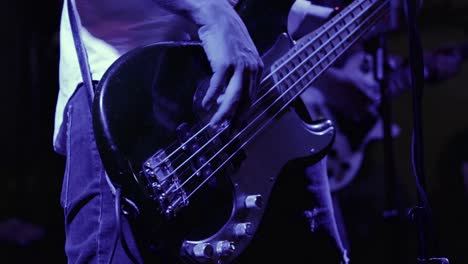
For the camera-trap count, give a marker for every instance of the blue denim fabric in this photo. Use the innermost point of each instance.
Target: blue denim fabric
(301, 232)
(86, 197)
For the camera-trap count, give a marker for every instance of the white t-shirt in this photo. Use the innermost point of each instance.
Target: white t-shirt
(110, 28)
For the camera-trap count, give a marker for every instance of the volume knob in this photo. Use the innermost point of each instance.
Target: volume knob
(243, 229)
(253, 201)
(225, 247)
(203, 250)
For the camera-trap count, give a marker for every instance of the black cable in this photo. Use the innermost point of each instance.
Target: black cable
(117, 221)
(421, 215)
(119, 235)
(416, 62)
(122, 236)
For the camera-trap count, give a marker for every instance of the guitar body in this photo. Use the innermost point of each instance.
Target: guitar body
(146, 106)
(202, 192)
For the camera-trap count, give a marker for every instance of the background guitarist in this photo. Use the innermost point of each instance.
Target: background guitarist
(351, 97)
(356, 100)
(109, 29)
(349, 94)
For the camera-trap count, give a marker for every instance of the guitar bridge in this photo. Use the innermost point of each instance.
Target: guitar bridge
(164, 185)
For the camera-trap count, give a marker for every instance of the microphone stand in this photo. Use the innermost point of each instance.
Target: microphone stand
(392, 205)
(420, 214)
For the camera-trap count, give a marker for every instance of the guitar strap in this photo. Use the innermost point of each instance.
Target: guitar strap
(89, 84)
(83, 60)
(129, 207)
(80, 51)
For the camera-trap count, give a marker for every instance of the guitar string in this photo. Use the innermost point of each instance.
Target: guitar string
(281, 81)
(182, 173)
(326, 27)
(230, 157)
(286, 105)
(216, 154)
(240, 147)
(186, 160)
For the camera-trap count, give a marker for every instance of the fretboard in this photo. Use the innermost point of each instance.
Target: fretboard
(300, 66)
(314, 53)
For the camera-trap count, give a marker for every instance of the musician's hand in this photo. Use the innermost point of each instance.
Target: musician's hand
(304, 17)
(236, 64)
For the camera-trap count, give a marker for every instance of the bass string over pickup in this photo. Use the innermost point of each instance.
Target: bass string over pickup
(163, 184)
(204, 147)
(172, 177)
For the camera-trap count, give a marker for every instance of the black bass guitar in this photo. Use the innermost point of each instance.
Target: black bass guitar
(206, 190)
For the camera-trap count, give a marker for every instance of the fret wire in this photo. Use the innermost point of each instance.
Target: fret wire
(337, 37)
(318, 68)
(244, 133)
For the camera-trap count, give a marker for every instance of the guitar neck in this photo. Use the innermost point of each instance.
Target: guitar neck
(317, 51)
(307, 60)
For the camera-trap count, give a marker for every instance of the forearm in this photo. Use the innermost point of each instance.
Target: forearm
(201, 12)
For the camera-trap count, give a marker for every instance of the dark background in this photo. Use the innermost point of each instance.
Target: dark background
(31, 226)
